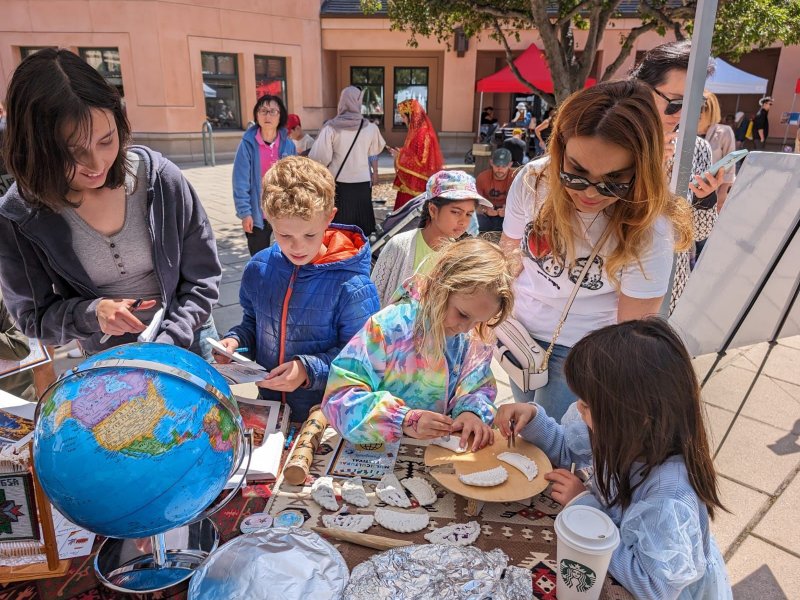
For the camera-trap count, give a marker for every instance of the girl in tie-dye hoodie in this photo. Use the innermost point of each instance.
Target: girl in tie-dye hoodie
(421, 367)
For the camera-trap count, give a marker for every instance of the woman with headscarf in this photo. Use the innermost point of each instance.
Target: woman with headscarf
(419, 158)
(344, 145)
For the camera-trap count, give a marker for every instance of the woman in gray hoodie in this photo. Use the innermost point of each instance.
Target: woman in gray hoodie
(97, 237)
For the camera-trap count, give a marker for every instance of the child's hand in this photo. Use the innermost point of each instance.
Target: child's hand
(566, 486)
(470, 424)
(521, 412)
(426, 424)
(286, 377)
(230, 345)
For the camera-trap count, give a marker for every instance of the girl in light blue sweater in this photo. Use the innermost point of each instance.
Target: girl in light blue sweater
(653, 473)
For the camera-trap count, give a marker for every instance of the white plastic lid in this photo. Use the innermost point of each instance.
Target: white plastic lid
(587, 529)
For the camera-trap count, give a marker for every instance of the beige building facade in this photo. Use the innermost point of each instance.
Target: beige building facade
(180, 63)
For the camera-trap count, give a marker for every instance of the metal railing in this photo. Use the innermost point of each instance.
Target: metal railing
(208, 144)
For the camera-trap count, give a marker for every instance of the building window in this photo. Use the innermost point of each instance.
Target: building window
(271, 76)
(370, 79)
(26, 51)
(410, 82)
(106, 61)
(221, 89)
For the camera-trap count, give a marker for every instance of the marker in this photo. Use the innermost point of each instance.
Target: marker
(572, 469)
(290, 437)
(136, 304)
(242, 350)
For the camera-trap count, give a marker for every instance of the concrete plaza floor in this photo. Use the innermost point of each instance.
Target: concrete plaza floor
(758, 464)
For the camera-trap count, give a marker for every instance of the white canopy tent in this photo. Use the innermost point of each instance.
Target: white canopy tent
(727, 79)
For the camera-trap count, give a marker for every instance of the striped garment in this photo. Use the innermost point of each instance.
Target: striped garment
(379, 376)
(666, 549)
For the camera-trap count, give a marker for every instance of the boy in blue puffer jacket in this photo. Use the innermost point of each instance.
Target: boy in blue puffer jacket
(305, 296)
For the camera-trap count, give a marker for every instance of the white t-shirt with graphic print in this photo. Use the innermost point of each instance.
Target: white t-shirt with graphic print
(543, 287)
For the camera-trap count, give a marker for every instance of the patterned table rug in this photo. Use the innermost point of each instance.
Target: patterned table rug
(524, 531)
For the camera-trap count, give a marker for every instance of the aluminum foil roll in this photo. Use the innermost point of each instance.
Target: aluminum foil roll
(439, 571)
(279, 563)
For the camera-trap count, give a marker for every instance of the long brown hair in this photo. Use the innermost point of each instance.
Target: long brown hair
(49, 90)
(621, 113)
(644, 399)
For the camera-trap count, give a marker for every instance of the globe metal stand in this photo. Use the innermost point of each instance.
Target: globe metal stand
(152, 564)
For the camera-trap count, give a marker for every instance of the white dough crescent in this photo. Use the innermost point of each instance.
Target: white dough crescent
(488, 478)
(391, 492)
(520, 462)
(458, 534)
(323, 494)
(451, 443)
(421, 490)
(353, 492)
(402, 522)
(357, 523)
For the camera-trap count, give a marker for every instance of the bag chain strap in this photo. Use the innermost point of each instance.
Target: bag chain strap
(589, 262)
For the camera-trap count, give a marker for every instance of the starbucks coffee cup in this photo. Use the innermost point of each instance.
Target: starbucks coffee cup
(587, 538)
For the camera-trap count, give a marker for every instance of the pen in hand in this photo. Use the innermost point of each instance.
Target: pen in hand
(136, 304)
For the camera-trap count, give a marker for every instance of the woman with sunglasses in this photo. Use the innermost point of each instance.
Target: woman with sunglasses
(602, 178)
(262, 145)
(664, 70)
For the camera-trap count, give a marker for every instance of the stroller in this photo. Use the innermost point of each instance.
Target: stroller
(403, 219)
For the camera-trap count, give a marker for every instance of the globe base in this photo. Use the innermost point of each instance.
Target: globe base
(133, 566)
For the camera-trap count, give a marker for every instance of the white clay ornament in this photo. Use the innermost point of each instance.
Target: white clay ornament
(391, 492)
(457, 534)
(421, 490)
(488, 478)
(520, 462)
(323, 494)
(357, 523)
(353, 492)
(401, 521)
(451, 443)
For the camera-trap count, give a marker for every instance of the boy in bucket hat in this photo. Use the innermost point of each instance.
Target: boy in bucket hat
(451, 203)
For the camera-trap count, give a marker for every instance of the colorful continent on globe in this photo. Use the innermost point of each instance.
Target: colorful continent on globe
(220, 428)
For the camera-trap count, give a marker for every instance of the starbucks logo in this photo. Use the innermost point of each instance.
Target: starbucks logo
(576, 575)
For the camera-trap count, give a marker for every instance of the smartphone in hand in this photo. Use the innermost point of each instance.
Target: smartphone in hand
(726, 162)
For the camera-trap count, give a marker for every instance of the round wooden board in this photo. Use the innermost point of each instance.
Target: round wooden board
(515, 488)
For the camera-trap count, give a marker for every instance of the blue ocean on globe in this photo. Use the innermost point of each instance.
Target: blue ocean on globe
(128, 451)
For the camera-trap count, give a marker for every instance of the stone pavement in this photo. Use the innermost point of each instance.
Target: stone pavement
(758, 464)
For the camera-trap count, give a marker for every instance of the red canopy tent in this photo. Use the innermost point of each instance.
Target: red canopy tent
(533, 67)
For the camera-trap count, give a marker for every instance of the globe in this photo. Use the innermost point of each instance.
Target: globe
(137, 440)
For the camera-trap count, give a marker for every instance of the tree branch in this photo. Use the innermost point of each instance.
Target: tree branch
(499, 14)
(575, 11)
(549, 98)
(626, 48)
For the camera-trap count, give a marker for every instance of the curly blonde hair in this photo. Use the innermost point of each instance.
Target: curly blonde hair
(621, 113)
(297, 186)
(468, 266)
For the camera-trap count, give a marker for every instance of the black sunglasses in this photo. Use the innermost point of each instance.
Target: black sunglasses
(610, 190)
(673, 105)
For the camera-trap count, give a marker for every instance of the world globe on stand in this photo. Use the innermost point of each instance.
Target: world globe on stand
(137, 440)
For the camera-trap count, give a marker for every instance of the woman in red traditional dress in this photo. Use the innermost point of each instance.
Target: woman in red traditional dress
(419, 158)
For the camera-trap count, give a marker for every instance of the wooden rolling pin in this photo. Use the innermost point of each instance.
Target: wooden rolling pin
(362, 539)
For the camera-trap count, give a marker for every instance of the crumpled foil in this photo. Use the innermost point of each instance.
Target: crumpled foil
(439, 571)
(279, 563)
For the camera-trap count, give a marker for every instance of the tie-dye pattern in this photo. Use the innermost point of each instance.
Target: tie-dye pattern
(379, 376)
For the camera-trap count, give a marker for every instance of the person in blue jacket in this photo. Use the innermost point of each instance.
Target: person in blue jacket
(309, 293)
(97, 235)
(262, 145)
(639, 425)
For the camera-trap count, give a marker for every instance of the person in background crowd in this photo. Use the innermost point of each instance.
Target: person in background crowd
(493, 184)
(603, 176)
(419, 158)
(302, 141)
(344, 145)
(308, 294)
(722, 141)
(517, 147)
(543, 130)
(663, 69)
(93, 226)
(522, 117)
(262, 145)
(487, 116)
(761, 123)
(740, 125)
(452, 200)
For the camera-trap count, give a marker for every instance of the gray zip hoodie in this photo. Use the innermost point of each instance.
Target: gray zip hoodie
(51, 297)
